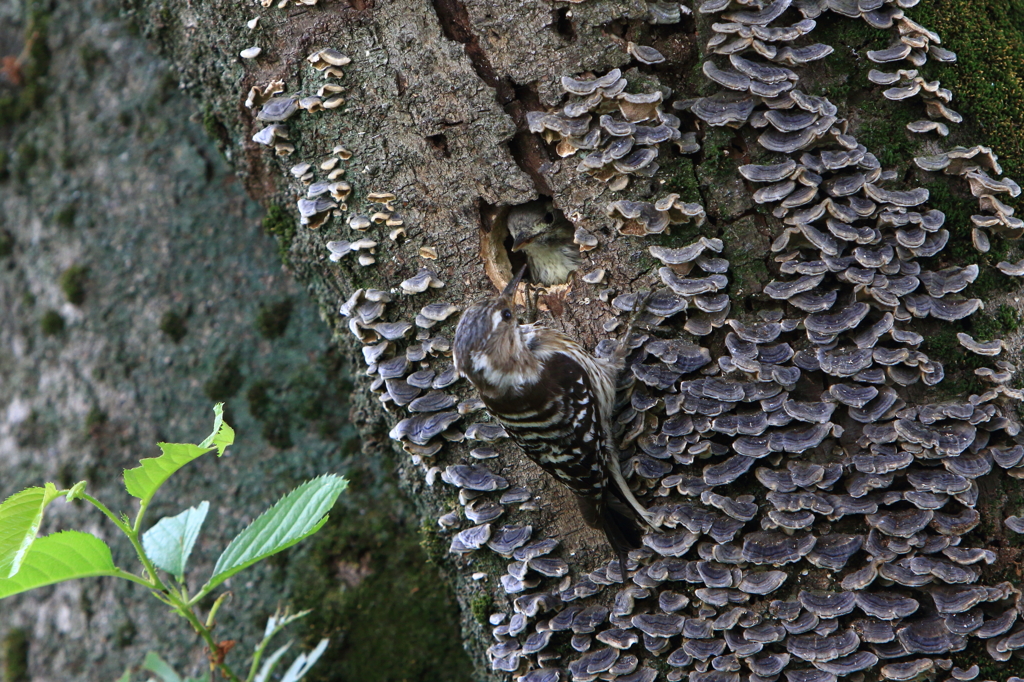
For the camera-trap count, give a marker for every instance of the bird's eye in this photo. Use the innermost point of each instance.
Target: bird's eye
(506, 314)
(549, 217)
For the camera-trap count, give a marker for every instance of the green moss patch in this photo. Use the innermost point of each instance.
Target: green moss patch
(95, 418)
(72, 283)
(987, 79)
(958, 205)
(51, 323)
(941, 344)
(482, 605)
(172, 323)
(25, 157)
(269, 405)
(281, 224)
(225, 382)
(314, 396)
(15, 656)
(387, 610)
(430, 542)
(679, 175)
(65, 217)
(272, 318)
(716, 152)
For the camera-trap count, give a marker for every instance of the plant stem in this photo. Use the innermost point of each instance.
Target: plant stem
(154, 582)
(188, 614)
(133, 537)
(106, 512)
(143, 506)
(121, 573)
(160, 591)
(211, 618)
(258, 654)
(199, 596)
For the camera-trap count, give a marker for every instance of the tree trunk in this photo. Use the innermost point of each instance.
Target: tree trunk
(435, 112)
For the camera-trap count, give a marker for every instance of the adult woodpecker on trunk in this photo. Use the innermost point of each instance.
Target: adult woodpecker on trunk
(555, 401)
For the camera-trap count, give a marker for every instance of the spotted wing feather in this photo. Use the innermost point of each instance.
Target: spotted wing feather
(556, 421)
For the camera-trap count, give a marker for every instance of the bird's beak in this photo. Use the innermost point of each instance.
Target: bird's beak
(521, 241)
(510, 289)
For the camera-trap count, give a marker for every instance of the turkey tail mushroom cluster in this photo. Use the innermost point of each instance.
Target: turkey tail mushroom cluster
(620, 131)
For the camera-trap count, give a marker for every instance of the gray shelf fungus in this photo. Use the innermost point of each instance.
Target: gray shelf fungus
(641, 218)
(271, 106)
(617, 133)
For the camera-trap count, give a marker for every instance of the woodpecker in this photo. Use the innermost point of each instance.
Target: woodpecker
(545, 236)
(555, 400)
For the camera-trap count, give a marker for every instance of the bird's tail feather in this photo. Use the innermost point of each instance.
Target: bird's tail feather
(617, 520)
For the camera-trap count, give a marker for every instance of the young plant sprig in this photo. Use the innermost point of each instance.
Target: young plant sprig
(28, 561)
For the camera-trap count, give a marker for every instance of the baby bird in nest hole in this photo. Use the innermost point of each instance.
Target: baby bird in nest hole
(545, 237)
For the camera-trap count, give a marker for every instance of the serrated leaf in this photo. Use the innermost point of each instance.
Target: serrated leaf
(59, 557)
(168, 544)
(20, 516)
(295, 517)
(159, 667)
(143, 481)
(222, 435)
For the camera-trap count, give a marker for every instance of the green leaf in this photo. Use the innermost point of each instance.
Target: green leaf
(143, 481)
(159, 667)
(169, 542)
(126, 676)
(295, 517)
(76, 492)
(223, 435)
(59, 557)
(20, 516)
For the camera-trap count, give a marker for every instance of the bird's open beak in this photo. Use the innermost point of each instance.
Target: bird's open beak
(510, 289)
(521, 241)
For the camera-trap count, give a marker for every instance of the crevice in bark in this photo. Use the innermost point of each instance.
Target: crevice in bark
(456, 26)
(439, 144)
(616, 28)
(561, 21)
(527, 151)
